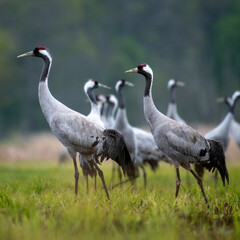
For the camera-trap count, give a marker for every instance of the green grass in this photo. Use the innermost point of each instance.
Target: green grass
(37, 201)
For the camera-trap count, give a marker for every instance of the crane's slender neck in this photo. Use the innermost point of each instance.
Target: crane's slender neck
(232, 107)
(91, 96)
(110, 110)
(121, 98)
(102, 108)
(172, 95)
(93, 101)
(150, 111)
(47, 102)
(46, 68)
(148, 86)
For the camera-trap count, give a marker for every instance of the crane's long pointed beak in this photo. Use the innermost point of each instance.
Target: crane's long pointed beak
(26, 54)
(180, 84)
(129, 84)
(133, 70)
(103, 86)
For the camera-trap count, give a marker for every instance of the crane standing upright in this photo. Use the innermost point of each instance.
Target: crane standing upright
(235, 131)
(178, 141)
(221, 133)
(75, 131)
(88, 167)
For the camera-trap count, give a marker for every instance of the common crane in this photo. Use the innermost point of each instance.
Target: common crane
(75, 131)
(87, 166)
(178, 141)
(221, 133)
(235, 131)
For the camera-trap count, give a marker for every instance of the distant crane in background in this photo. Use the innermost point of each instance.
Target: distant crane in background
(75, 131)
(101, 101)
(112, 101)
(178, 141)
(235, 131)
(121, 123)
(87, 166)
(172, 106)
(221, 133)
(146, 150)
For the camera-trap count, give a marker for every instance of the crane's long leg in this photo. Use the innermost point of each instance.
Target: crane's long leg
(127, 180)
(113, 172)
(100, 173)
(216, 177)
(178, 181)
(73, 154)
(119, 173)
(95, 182)
(200, 184)
(144, 176)
(87, 181)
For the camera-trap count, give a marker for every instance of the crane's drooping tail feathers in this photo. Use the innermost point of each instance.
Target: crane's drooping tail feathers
(153, 164)
(115, 148)
(88, 169)
(217, 160)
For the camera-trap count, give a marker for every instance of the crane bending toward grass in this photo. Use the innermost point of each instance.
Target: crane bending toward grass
(75, 131)
(178, 141)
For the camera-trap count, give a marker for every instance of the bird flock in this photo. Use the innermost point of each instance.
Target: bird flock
(105, 133)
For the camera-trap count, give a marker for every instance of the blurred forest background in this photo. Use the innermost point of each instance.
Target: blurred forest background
(197, 42)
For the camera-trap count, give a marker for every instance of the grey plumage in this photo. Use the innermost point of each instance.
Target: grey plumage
(74, 130)
(221, 133)
(235, 131)
(148, 150)
(121, 122)
(88, 167)
(112, 102)
(178, 141)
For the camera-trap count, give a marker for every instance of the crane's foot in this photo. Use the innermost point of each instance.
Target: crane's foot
(125, 181)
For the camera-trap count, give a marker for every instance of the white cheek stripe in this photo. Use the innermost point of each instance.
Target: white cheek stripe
(88, 84)
(148, 69)
(117, 85)
(46, 53)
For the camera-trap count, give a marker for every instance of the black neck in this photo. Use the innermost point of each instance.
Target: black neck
(46, 69)
(91, 96)
(231, 108)
(148, 78)
(110, 109)
(172, 95)
(102, 109)
(234, 103)
(121, 98)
